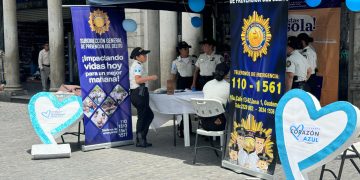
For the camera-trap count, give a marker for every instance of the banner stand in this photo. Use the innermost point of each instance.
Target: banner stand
(238, 169)
(106, 145)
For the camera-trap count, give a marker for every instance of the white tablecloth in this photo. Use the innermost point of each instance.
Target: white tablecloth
(165, 106)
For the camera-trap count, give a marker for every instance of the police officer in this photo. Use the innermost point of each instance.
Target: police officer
(140, 95)
(206, 63)
(297, 68)
(309, 53)
(183, 67)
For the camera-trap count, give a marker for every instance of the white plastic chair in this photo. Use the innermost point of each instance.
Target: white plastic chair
(208, 108)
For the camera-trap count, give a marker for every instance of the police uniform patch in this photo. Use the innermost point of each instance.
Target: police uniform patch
(288, 63)
(137, 70)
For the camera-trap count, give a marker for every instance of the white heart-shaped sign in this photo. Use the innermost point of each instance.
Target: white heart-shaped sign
(50, 117)
(309, 136)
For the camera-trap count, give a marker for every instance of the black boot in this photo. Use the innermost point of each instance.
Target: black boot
(140, 140)
(147, 143)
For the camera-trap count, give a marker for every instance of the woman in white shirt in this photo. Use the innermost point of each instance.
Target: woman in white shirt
(218, 89)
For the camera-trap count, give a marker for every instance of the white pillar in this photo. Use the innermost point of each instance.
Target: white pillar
(56, 44)
(190, 34)
(11, 63)
(152, 42)
(168, 42)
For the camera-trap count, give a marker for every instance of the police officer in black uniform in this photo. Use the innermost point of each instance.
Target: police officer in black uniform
(297, 67)
(206, 63)
(183, 67)
(140, 95)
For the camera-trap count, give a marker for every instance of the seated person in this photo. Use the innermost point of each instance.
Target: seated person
(217, 89)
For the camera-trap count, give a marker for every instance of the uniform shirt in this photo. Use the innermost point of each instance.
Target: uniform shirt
(252, 160)
(219, 90)
(185, 66)
(136, 69)
(242, 157)
(43, 58)
(207, 63)
(311, 56)
(297, 64)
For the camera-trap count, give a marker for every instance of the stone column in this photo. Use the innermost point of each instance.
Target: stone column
(11, 59)
(56, 44)
(152, 42)
(1, 27)
(168, 42)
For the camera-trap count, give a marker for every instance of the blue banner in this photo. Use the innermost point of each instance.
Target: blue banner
(258, 53)
(301, 4)
(102, 56)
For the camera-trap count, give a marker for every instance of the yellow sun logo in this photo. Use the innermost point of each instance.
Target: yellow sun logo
(256, 36)
(99, 21)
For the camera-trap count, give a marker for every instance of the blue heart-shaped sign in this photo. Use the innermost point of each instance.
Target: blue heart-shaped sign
(325, 132)
(50, 117)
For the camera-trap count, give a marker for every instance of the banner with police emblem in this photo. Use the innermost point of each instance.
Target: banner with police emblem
(259, 40)
(102, 56)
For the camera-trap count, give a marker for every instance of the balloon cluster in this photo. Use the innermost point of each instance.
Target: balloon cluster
(353, 5)
(196, 6)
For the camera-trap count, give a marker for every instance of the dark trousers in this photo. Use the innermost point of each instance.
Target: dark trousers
(184, 82)
(301, 85)
(202, 81)
(209, 124)
(145, 114)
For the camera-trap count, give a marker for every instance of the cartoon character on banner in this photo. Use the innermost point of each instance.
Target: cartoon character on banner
(308, 135)
(250, 145)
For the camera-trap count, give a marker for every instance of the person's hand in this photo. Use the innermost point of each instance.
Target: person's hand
(41, 68)
(153, 77)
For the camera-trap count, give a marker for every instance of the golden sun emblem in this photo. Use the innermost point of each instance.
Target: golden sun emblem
(256, 36)
(99, 21)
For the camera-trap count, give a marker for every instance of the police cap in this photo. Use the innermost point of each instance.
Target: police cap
(138, 51)
(182, 45)
(208, 41)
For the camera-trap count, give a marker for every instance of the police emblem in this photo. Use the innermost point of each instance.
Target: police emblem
(256, 36)
(99, 21)
(288, 63)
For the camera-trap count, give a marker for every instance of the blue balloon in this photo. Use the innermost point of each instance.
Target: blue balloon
(129, 25)
(196, 22)
(197, 5)
(313, 3)
(353, 5)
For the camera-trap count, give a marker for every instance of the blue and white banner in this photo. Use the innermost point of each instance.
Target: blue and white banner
(101, 48)
(258, 53)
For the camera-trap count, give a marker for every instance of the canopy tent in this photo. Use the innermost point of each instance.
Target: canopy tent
(171, 5)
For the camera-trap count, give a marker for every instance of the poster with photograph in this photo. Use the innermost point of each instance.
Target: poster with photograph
(322, 24)
(101, 48)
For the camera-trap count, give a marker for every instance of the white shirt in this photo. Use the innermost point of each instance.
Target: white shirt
(136, 69)
(43, 58)
(185, 66)
(207, 63)
(242, 157)
(252, 160)
(219, 90)
(297, 64)
(311, 56)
